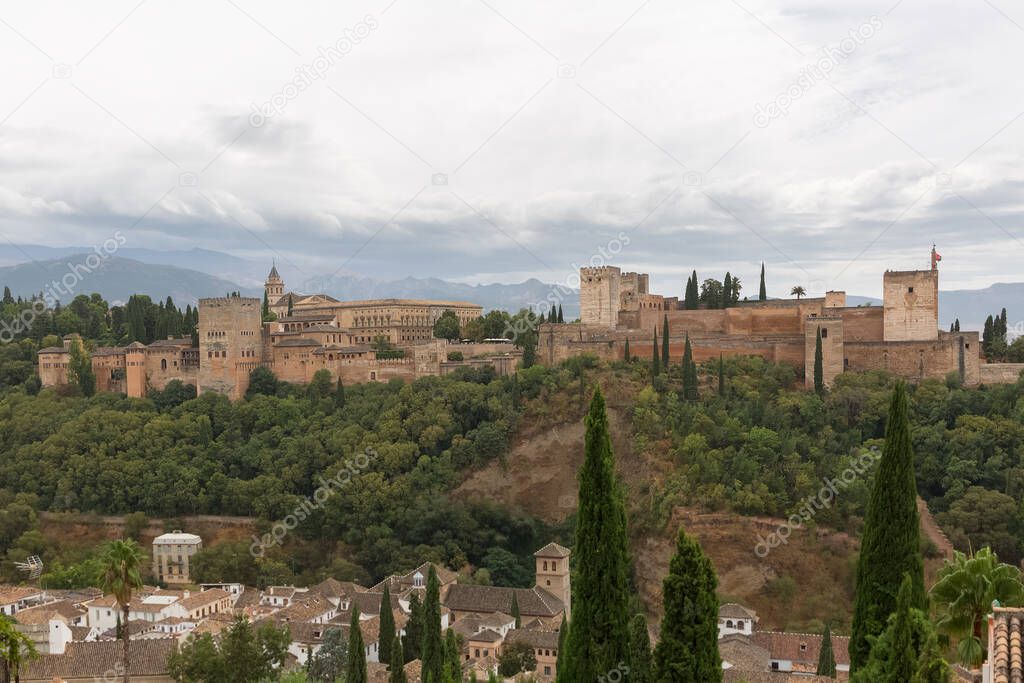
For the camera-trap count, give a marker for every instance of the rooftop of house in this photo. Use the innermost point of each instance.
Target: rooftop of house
(85, 660)
(553, 550)
(547, 640)
(731, 610)
(1007, 634)
(534, 602)
(42, 614)
(801, 647)
(177, 538)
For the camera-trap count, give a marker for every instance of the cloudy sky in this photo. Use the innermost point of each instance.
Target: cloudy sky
(494, 140)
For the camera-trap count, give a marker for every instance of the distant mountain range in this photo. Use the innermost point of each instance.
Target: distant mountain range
(188, 275)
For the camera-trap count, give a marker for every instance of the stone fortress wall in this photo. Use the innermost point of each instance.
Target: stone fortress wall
(901, 336)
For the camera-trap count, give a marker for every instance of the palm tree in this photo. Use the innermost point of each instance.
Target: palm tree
(798, 292)
(15, 650)
(121, 562)
(963, 596)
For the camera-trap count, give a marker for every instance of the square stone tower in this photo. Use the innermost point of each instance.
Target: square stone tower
(911, 305)
(599, 295)
(553, 573)
(230, 343)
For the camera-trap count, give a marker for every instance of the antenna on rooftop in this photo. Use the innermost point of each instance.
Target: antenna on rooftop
(32, 567)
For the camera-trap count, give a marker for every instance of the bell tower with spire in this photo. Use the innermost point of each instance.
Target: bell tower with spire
(274, 286)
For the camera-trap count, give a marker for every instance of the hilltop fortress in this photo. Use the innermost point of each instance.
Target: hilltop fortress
(901, 337)
(312, 332)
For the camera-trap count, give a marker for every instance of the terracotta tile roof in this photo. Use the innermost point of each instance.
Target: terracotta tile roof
(369, 602)
(473, 623)
(543, 639)
(43, 613)
(96, 660)
(1006, 639)
(533, 602)
(486, 636)
(250, 597)
(305, 607)
(9, 594)
(202, 598)
(553, 550)
(444, 577)
(731, 610)
(801, 647)
(332, 588)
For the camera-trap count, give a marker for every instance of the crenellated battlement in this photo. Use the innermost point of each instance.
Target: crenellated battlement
(221, 301)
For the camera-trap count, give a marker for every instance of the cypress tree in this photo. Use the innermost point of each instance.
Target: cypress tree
(625, 352)
(561, 318)
(433, 653)
(692, 293)
(956, 324)
(452, 658)
(664, 343)
(640, 658)
(266, 306)
(356, 650)
(826, 658)
(80, 370)
(655, 359)
(721, 375)
(289, 305)
(560, 656)
(387, 626)
(726, 291)
(819, 367)
(412, 643)
(8, 298)
(515, 609)
(890, 544)
(529, 350)
(762, 295)
(598, 640)
(397, 665)
(987, 335)
(689, 372)
(339, 395)
(688, 650)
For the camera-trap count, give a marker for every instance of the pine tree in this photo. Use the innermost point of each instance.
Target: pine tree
(763, 293)
(641, 660)
(688, 650)
(655, 359)
(625, 352)
(826, 658)
(412, 643)
(387, 626)
(433, 654)
(890, 543)
(515, 610)
(664, 343)
(819, 366)
(397, 663)
(721, 375)
(356, 650)
(561, 318)
(598, 639)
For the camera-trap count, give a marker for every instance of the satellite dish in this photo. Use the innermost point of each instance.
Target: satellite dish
(32, 567)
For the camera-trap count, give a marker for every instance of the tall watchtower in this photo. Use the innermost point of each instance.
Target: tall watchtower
(230, 343)
(553, 573)
(274, 286)
(599, 295)
(911, 305)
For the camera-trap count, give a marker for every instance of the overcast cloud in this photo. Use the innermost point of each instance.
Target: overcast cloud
(555, 126)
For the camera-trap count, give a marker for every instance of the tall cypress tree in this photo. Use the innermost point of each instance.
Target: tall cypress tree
(266, 306)
(412, 643)
(290, 302)
(515, 610)
(452, 658)
(987, 335)
(692, 293)
(762, 295)
(356, 650)
(819, 366)
(689, 372)
(625, 352)
(561, 318)
(641, 661)
(397, 665)
(598, 638)
(655, 359)
(433, 652)
(726, 291)
(387, 625)
(891, 543)
(688, 650)
(826, 657)
(664, 343)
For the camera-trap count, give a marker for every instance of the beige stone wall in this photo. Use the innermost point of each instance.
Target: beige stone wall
(916, 360)
(911, 303)
(1000, 373)
(230, 334)
(53, 368)
(599, 295)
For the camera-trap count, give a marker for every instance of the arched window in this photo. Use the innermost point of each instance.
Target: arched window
(163, 363)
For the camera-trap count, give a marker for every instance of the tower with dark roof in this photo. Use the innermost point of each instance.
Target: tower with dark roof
(274, 286)
(553, 573)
